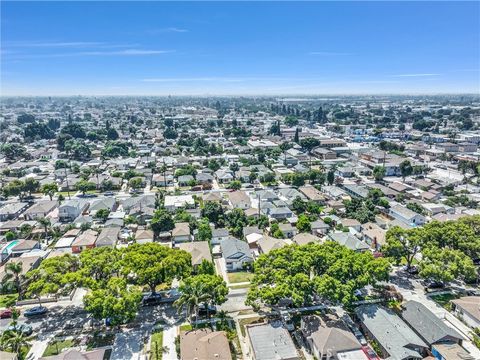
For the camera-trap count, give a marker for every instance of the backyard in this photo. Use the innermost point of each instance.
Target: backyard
(444, 300)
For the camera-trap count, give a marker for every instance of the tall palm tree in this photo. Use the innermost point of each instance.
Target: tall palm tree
(192, 296)
(14, 340)
(46, 223)
(14, 273)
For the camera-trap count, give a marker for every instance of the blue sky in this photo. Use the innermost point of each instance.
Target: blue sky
(201, 48)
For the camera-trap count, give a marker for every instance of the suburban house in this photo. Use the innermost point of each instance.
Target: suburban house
(267, 243)
(236, 253)
(271, 341)
(71, 209)
(394, 337)
(174, 202)
(85, 240)
(40, 209)
(162, 181)
(330, 342)
(108, 236)
(70, 354)
(24, 246)
(218, 235)
(181, 232)
(319, 227)
(349, 240)
(204, 344)
(143, 236)
(200, 250)
(239, 200)
(312, 194)
(12, 210)
(467, 308)
(429, 327)
(406, 215)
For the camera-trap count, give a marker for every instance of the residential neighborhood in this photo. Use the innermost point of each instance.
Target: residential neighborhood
(195, 229)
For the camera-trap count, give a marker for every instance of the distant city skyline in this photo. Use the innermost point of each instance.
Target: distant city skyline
(241, 48)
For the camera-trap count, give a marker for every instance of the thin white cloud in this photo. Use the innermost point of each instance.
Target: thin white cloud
(126, 52)
(167, 30)
(195, 79)
(329, 53)
(415, 75)
(55, 44)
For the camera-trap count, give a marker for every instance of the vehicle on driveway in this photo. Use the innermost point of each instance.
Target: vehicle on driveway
(152, 300)
(22, 328)
(434, 284)
(6, 314)
(35, 311)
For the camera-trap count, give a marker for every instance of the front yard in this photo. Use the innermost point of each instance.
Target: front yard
(156, 346)
(240, 277)
(56, 346)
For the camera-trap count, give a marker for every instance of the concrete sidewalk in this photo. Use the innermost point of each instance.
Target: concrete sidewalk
(169, 335)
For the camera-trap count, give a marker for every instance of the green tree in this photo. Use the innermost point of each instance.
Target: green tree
(161, 221)
(31, 185)
(49, 190)
(203, 289)
(135, 183)
(46, 223)
(402, 244)
(303, 224)
(206, 267)
(84, 186)
(330, 177)
(213, 211)
(117, 303)
(379, 172)
(153, 264)
(446, 265)
(102, 214)
(14, 341)
(309, 143)
(299, 273)
(235, 185)
(204, 231)
(406, 169)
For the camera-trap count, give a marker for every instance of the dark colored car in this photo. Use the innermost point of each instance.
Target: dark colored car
(152, 300)
(5, 314)
(35, 311)
(202, 310)
(434, 284)
(24, 329)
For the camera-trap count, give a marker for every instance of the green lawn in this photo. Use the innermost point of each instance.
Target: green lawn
(156, 348)
(56, 347)
(100, 340)
(240, 276)
(8, 300)
(242, 286)
(185, 327)
(444, 300)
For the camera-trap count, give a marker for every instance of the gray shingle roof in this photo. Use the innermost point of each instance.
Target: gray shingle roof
(427, 324)
(392, 333)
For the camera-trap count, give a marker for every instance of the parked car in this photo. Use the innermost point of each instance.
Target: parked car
(152, 300)
(413, 270)
(35, 311)
(434, 284)
(5, 314)
(202, 310)
(22, 328)
(108, 193)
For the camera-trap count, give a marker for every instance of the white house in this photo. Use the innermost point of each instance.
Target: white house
(236, 253)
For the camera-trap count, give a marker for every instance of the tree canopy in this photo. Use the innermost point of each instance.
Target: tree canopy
(299, 273)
